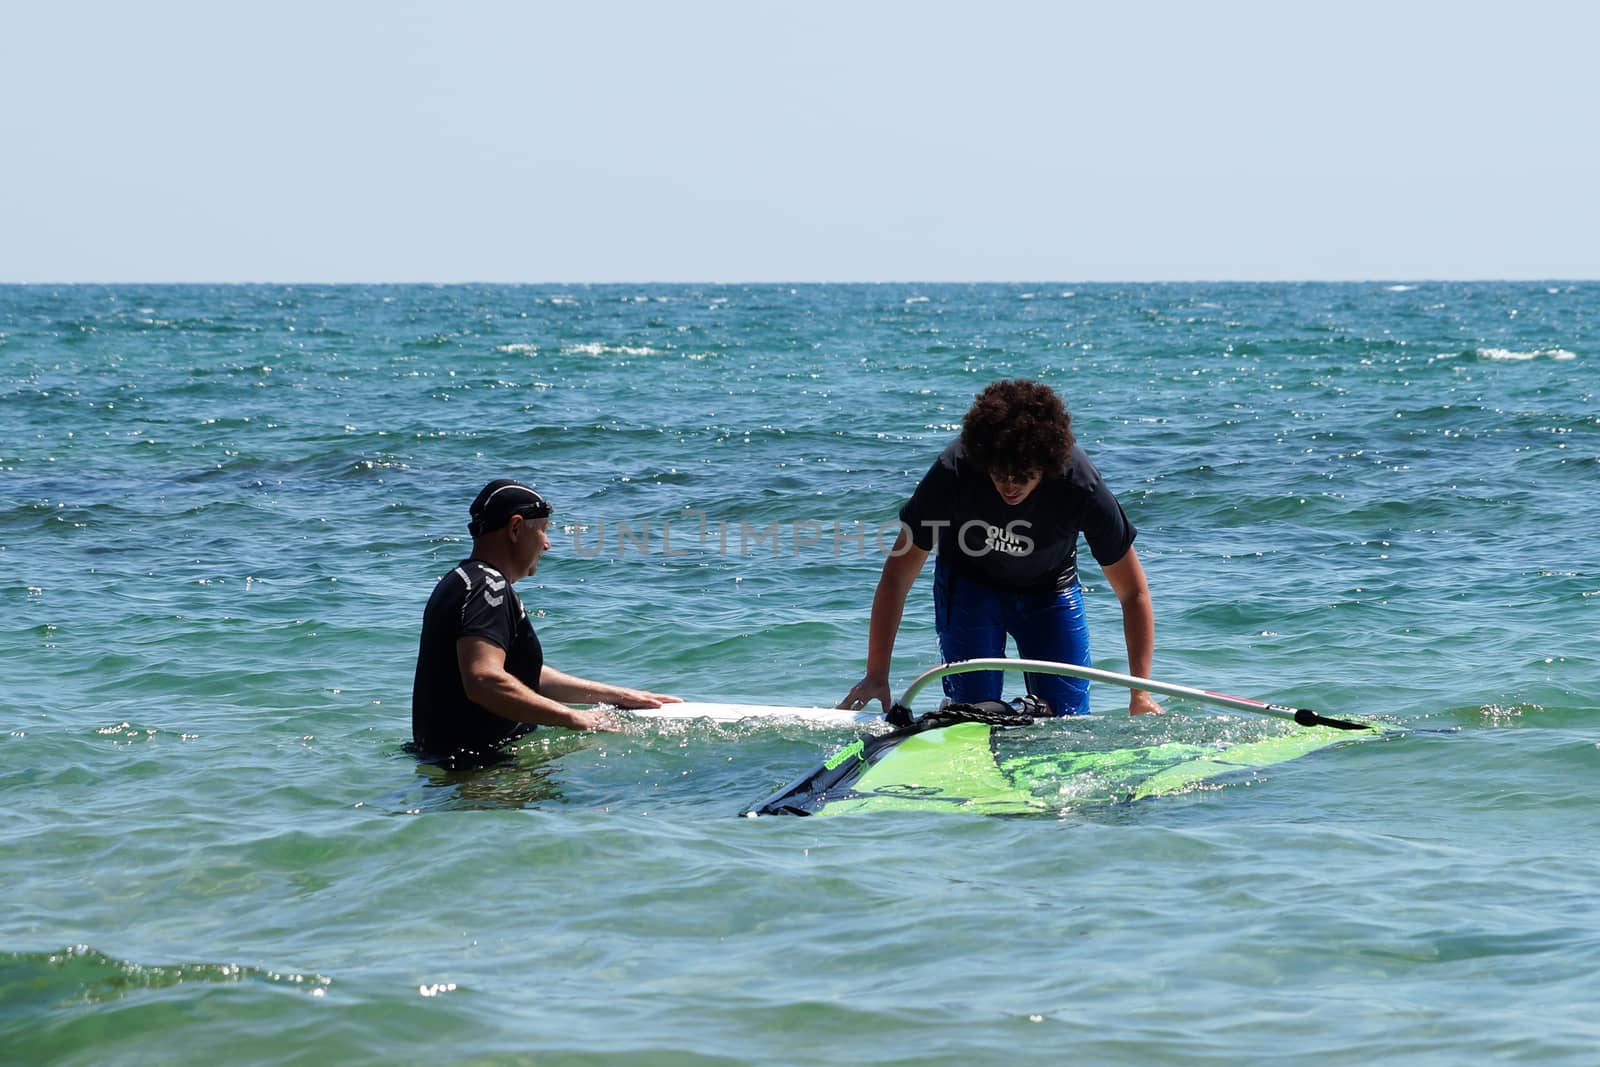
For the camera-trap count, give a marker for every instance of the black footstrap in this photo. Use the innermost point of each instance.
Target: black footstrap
(1019, 712)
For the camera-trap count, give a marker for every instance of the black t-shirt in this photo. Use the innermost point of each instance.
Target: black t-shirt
(473, 600)
(1028, 547)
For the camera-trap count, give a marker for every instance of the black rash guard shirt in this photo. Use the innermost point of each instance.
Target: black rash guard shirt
(1024, 548)
(473, 600)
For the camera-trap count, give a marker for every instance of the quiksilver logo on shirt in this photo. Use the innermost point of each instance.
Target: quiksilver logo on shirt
(979, 538)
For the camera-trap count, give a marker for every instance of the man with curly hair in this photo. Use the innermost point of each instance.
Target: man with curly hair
(1003, 508)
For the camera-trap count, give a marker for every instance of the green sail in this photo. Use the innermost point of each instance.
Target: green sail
(963, 767)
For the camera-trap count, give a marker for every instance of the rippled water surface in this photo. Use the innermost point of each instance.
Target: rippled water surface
(221, 510)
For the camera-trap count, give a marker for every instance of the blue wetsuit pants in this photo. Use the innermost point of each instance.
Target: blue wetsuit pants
(973, 619)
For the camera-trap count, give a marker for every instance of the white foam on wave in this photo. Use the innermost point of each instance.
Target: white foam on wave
(1400, 288)
(594, 348)
(518, 349)
(1520, 357)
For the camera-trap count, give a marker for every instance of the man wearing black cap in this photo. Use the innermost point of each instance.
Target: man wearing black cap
(481, 677)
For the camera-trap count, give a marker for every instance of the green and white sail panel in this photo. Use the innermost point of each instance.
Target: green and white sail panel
(978, 768)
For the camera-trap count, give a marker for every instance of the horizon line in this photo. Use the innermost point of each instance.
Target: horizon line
(1396, 280)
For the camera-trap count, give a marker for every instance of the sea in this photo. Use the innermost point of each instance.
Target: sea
(222, 509)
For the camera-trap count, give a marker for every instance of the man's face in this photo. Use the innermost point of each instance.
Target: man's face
(1013, 488)
(529, 538)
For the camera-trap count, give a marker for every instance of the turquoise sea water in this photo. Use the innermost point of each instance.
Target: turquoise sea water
(222, 508)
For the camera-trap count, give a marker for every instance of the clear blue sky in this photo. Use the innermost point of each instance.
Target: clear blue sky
(489, 140)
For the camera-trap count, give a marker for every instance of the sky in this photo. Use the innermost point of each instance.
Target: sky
(751, 141)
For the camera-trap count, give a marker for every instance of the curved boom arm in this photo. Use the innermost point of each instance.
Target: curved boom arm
(1303, 716)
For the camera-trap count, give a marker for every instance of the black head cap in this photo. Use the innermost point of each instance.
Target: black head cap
(501, 499)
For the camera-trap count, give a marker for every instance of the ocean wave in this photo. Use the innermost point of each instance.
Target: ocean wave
(1510, 355)
(595, 348)
(79, 974)
(1537, 353)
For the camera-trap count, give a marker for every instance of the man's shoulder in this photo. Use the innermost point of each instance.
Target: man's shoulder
(950, 466)
(954, 456)
(1079, 471)
(476, 570)
(467, 577)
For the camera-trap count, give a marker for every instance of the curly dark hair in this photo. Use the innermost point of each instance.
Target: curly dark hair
(1017, 427)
